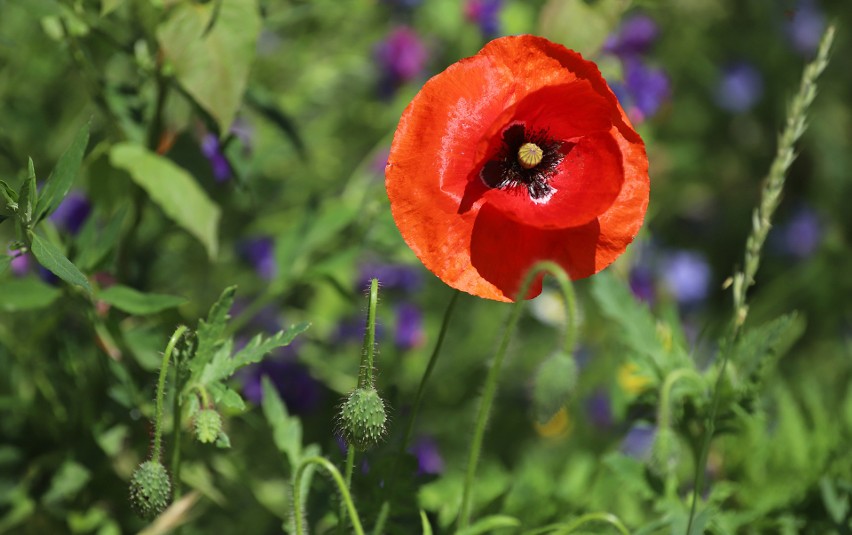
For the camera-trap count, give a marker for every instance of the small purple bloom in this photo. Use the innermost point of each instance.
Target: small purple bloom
(400, 277)
(260, 253)
(802, 234)
(409, 327)
(686, 274)
(805, 28)
(642, 283)
(20, 264)
(485, 14)
(635, 36)
(599, 409)
(638, 441)
(648, 86)
(72, 212)
(429, 460)
(212, 150)
(740, 87)
(297, 388)
(401, 57)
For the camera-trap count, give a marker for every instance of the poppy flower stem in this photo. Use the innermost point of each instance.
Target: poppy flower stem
(570, 337)
(161, 388)
(326, 465)
(770, 197)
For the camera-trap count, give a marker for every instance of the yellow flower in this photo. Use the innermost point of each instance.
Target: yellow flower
(630, 380)
(557, 426)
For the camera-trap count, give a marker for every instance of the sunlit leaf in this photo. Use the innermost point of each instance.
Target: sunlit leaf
(49, 256)
(173, 189)
(63, 175)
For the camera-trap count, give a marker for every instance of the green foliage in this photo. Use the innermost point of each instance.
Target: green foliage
(60, 180)
(138, 303)
(49, 256)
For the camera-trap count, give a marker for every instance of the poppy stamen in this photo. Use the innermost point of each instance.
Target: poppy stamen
(530, 155)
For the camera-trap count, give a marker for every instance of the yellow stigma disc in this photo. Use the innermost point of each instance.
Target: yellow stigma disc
(529, 155)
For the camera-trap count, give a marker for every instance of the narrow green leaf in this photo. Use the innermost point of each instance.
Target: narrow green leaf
(26, 294)
(5, 261)
(108, 6)
(489, 524)
(424, 523)
(49, 256)
(222, 368)
(286, 430)
(28, 195)
(138, 303)
(173, 189)
(95, 245)
(210, 332)
(63, 175)
(9, 196)
(213, 66)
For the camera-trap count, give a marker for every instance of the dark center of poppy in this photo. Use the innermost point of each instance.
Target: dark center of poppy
(527, 158)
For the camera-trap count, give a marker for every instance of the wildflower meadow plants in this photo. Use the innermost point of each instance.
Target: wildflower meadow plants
(217, 316)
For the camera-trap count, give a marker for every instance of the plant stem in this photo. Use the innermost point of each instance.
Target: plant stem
(161, 387)
(365, 374)
(494, 372)
(350, 466)
(770, 197)
(341, 486)
(569, 527)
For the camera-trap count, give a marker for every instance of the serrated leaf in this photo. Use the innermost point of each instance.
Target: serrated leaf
(635, 325)
(138, 303)
(173, 190)
(222, 368)
(286, 430)
(26, 294)
(63, 175)
(213, 66)
(210, 332)
(766, 343)
(49, 256)
(489, 524)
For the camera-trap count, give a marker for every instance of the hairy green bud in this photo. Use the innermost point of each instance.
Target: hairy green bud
(665, 452)
(208, 426)
(554, 382)
(362, 418)
(150, 489)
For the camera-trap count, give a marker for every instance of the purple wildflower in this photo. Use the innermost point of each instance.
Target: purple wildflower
(409, 326)
(297, 388)
(260, 254)
(686, 274)
(212, 150)
(400, 277)
(638, 441)
(401, 57)
(485, 14)
(635, 36)
(801, 235)
(805, 27)
(72, 212)
(740, 87)
(599, 409)
(429, 460)
(648, 86)
(642, 283)
(21, 264)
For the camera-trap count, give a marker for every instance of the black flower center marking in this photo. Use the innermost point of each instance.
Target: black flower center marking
(527, 158)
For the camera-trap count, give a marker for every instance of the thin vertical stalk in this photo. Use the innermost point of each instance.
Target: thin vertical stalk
(161, 389)
(494, 372)
(770, 197)
(341, 486)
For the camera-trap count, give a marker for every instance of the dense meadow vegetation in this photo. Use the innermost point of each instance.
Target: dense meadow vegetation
(217, 317)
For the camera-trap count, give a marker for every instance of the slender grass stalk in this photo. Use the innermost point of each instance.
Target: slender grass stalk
(494, 372)
(341, 486)
(570, 527)
(770, 197)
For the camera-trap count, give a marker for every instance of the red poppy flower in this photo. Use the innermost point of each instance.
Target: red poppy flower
(518, 154)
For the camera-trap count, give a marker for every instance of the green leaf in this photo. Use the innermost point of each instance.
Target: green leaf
(5, 261)
(424, 523)
(108, 6)
(762, 345)
(49, 256)
(489, 524)
(138, 303)
(26, 294)
(67, 482)
(10, 196)
(28, 195)
(223, 365)
(94, 245)
(210, 332)
(173, 189)
(635, 326)
(213, 66)
(63, 175)
(554, 383)
(286, 430)
(580, 25)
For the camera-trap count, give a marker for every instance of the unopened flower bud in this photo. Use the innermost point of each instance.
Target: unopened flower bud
(553, 384)
(362, 418)
(150, 489)
(665, 452)
(208, 425)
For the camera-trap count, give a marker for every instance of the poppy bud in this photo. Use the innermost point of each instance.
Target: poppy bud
(665, 452)
(554, 382)
(208, 425)
(150, 489)
(362, 418)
